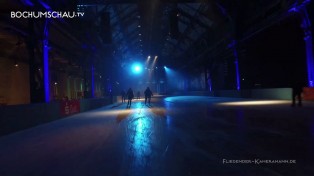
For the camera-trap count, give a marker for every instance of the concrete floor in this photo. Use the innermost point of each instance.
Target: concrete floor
(186, 135)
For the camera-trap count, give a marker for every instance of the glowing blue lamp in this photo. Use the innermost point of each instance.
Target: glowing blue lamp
(137, 68)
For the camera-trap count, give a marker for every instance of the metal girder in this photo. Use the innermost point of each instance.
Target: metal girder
(176, 46)
(92, 2)
(189, 26)
(120, 22)
(120, 13)
(201, 13)
(194, 19)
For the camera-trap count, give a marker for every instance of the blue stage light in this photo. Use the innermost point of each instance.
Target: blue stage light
(136, 68)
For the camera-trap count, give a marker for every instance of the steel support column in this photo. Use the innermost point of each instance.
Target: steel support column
(233, 46)
(300, 8)
(306, 25)
(35, 81)
(46, 62)
(205, 78)
(92, 80)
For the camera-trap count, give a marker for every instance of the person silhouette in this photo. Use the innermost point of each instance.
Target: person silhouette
(297, 87)
(148, 94)
(130, 96)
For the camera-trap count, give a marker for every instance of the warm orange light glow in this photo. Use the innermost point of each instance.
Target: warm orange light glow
(112, 112)
(136, 107)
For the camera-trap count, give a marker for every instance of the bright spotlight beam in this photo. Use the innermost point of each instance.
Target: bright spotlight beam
(137, 68)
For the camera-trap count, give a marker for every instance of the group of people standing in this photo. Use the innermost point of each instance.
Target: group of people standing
(130, 95)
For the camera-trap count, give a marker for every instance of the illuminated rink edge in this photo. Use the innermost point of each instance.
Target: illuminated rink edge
(256, 103)
(226, 101)
(220, 101)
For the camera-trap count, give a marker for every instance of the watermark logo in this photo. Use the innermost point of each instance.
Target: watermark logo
(257, 161)
(46, 14)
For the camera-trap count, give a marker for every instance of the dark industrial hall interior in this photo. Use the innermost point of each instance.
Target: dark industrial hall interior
(156, 87)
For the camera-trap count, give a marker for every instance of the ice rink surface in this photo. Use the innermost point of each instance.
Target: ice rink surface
(174, 136)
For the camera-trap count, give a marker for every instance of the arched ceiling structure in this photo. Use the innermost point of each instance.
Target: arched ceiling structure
(180, 32)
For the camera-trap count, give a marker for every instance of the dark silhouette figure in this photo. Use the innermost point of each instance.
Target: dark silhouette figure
(296, 92)
(148, 94)
(123, 96)
(130, 96)
(138, 95)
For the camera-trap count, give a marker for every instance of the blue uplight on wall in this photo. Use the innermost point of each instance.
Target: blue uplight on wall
(137, 68)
